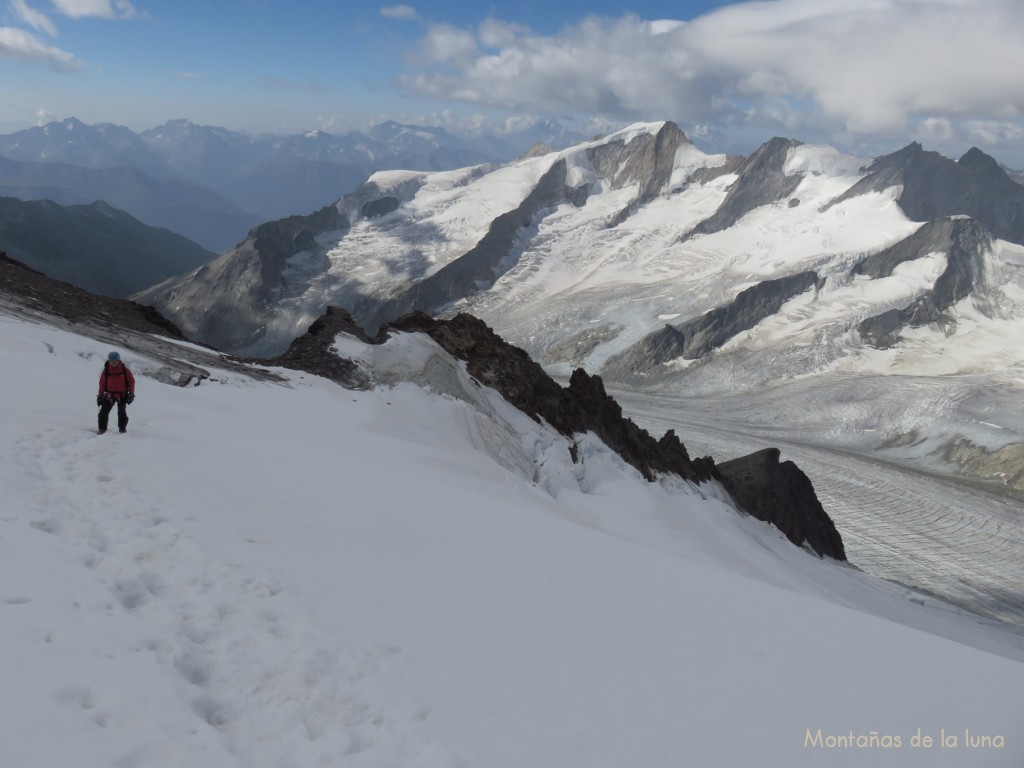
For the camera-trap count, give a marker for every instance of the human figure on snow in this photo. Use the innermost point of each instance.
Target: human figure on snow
(117, 385)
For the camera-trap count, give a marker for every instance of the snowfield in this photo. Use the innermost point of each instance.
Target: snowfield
(292, 574)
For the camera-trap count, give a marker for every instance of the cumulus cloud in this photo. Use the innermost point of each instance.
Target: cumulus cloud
(19, 44)
(403, 12)
(35, 19)
(104, 9)
(852, 66)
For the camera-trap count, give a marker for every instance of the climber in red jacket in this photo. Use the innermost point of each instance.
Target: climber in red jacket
(117, 385)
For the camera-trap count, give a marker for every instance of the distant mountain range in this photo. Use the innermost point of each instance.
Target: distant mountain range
(213, 185)
(95, 247)
(184, 207)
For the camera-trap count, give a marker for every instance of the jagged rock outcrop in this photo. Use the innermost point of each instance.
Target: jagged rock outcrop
(781, 493)
(312, 351)
(699, 336)
(934, 187)
(648, 160)
(965, 242)
(583, 406)
(775, 493)
(762, 181)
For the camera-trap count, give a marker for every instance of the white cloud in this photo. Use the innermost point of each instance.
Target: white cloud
(446, 43)
(402, 12)
(994, 133)
(860, 67)
(104, 9)
(939, 128)
(35, 19)
(19, 44)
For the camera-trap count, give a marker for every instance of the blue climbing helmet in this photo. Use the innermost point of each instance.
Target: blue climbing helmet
(114, 356)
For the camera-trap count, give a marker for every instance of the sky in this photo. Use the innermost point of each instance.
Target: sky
(866, 76)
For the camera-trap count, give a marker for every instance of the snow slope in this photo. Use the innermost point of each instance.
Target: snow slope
(294, 574)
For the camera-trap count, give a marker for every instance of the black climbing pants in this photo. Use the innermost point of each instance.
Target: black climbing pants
(122, 414)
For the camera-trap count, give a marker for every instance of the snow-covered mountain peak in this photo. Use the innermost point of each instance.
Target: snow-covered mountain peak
(629, 133)
(640, 257)
(823, 160)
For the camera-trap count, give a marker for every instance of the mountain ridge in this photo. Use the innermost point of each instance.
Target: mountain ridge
(186, 208)
(95, 246)
(577, 282)
(266, 176)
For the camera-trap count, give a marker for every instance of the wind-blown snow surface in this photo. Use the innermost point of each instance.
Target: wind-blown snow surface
(298, 575)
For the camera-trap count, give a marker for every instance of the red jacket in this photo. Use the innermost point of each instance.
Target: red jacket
(117, 380)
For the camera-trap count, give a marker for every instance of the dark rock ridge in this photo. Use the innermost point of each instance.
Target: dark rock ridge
(766, 487)
(96, 247)
(226, 302)
(647, 160)
(382, 206)
(701, 176)
(935, 187)
(36, 291)
(777, 493)
(700, 335)
(582, 406)
(931, 238)
(311, 352)
(26, 293)
(762, 181)
(965, 242)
